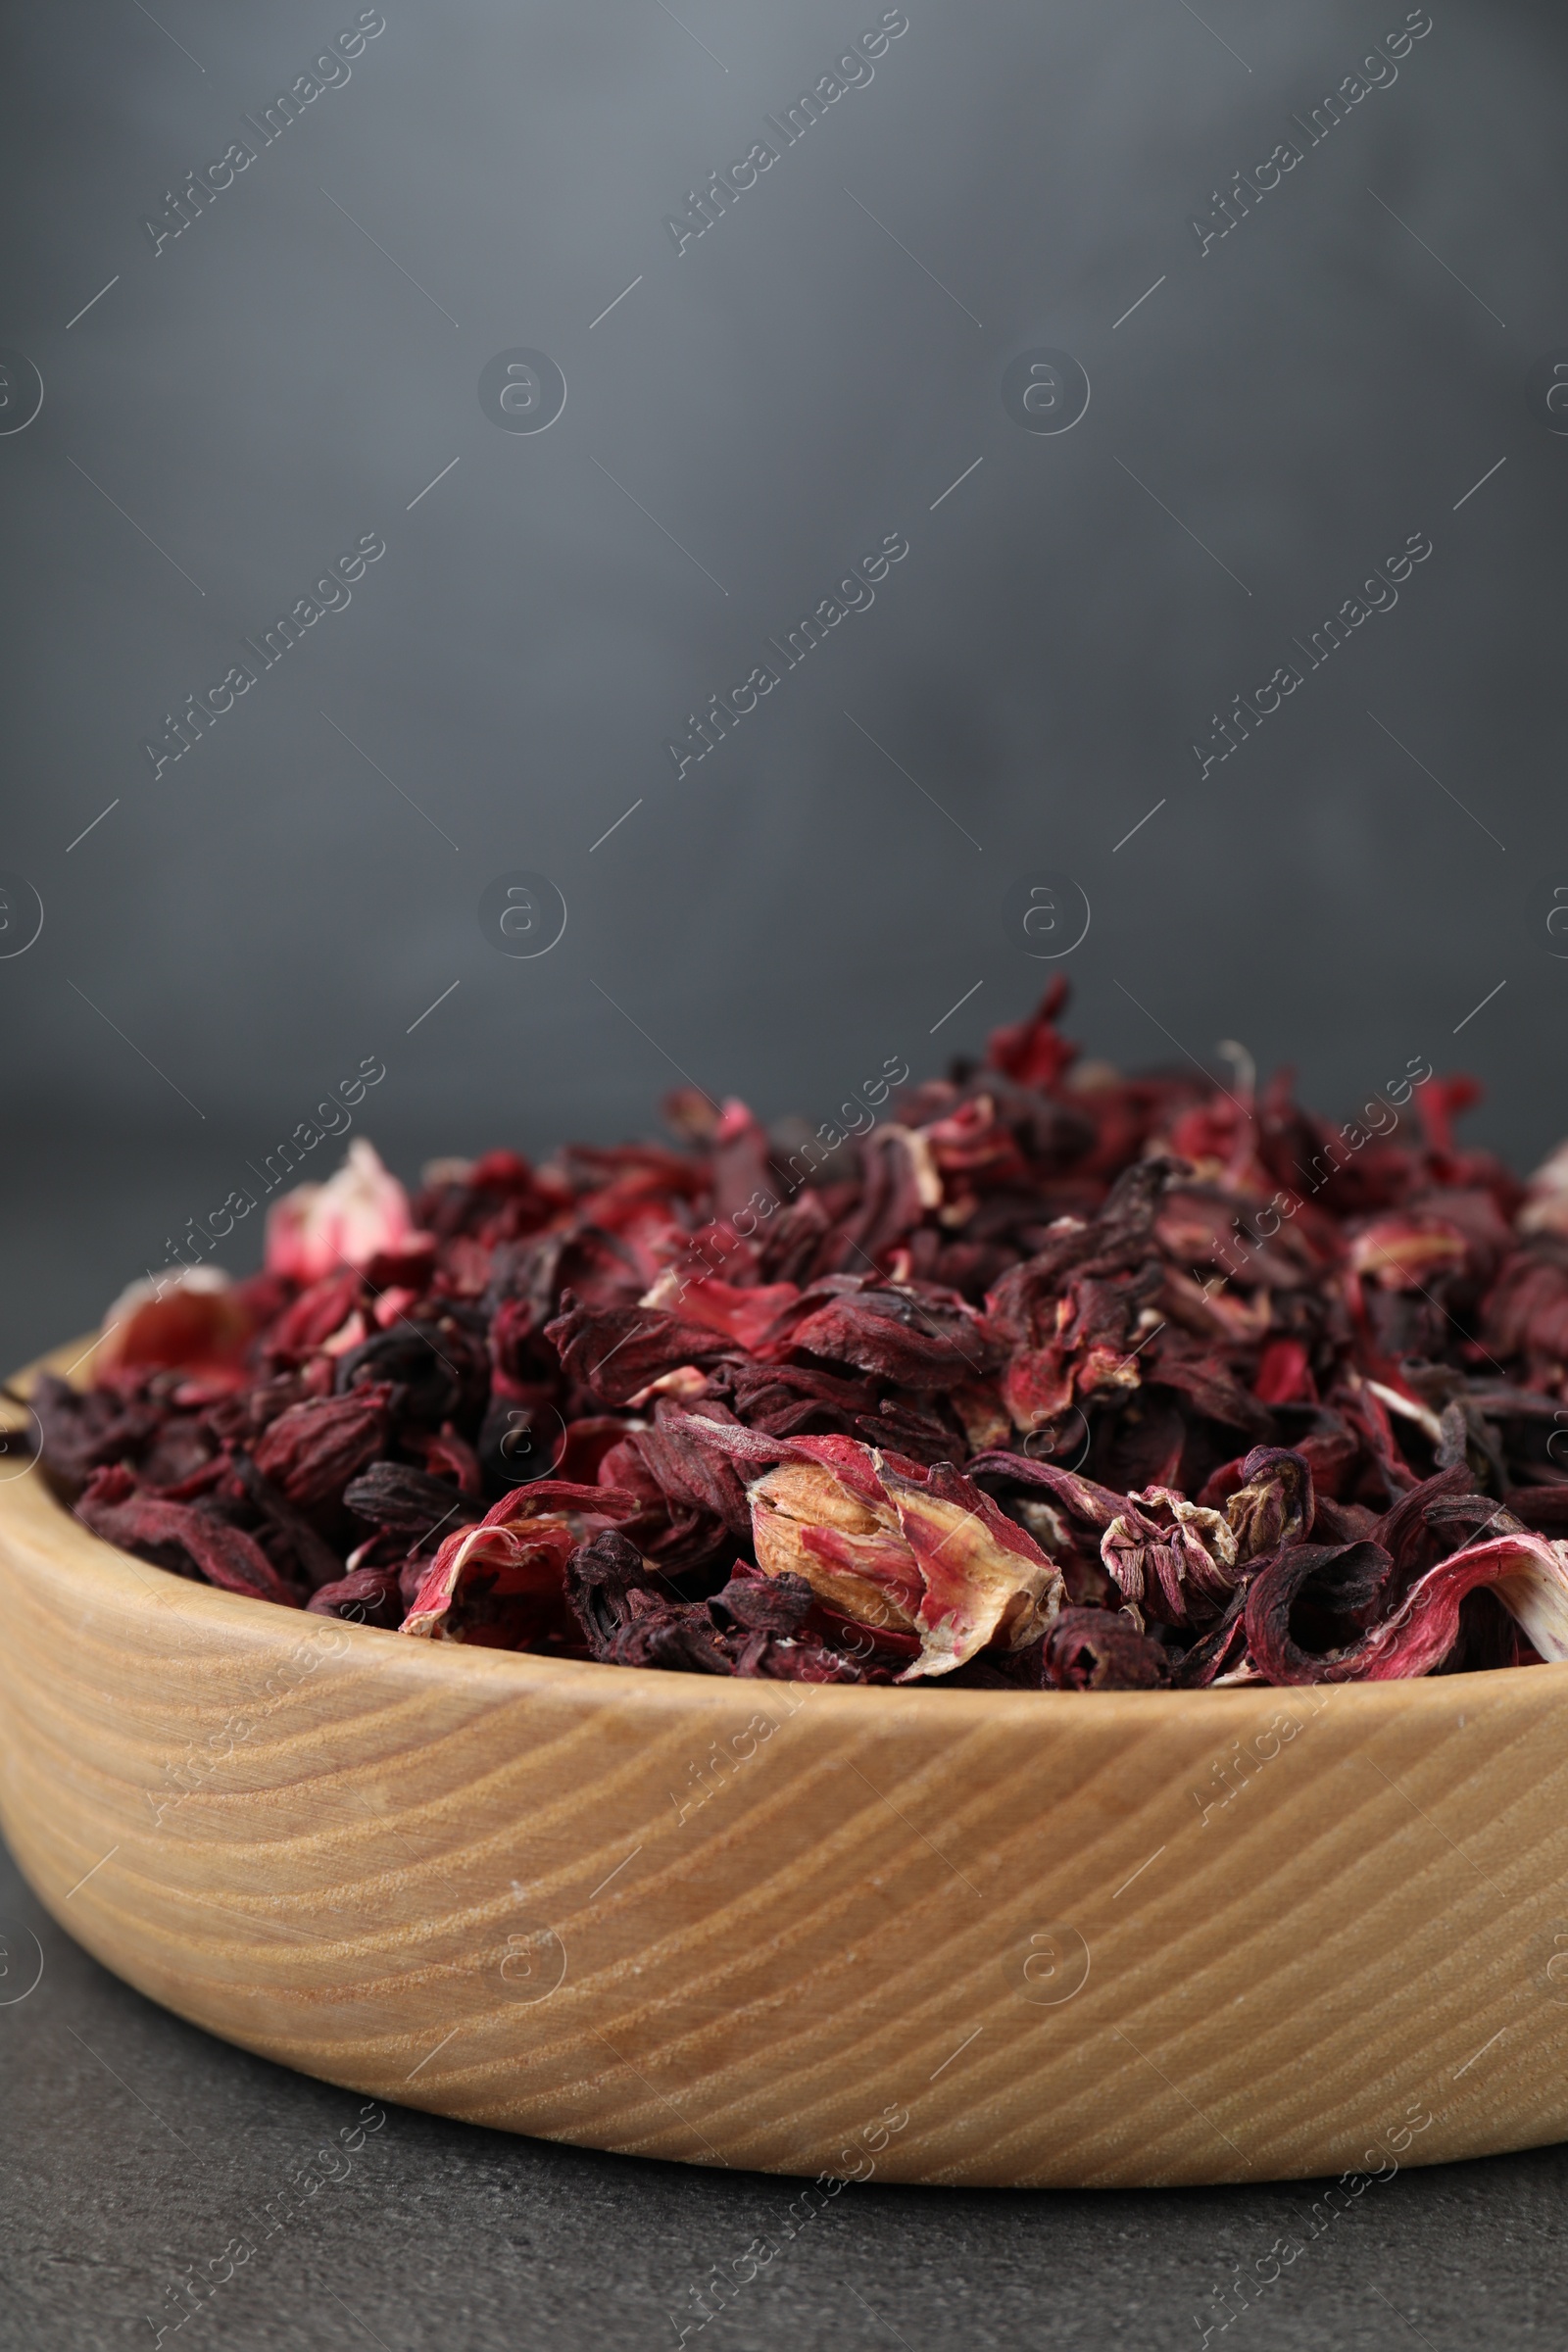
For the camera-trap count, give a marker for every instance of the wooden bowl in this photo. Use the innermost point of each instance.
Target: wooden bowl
(1102, 1941)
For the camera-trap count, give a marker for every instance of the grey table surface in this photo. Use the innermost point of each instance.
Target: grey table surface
(137, 2154)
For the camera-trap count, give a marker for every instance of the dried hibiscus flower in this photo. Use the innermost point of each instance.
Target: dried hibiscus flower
(924, 1552)
(504, 1581)
(1032, 1377)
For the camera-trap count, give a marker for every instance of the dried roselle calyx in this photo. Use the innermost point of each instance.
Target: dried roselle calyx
(447, 1455)
(891, 1545)
(364, 1596)
(314, 1561)
(678, 1636)
(502, 1583)
(83, 1432)
(1469, 1518)
(1321, 1595)
(824, 1515)
(640, 1343)
(416, 1364)
(763, 1604)
(181, 1537)
(914, 1342)
(195, 1319)
(1275, 1505)
(1218, 1656)
(601, 1577)
(411, 1573)
(311, 1319)
(357, 1216)
(182, 1460)
(405, 1502)
(1101, 1650)
(986, 1580)
(1527, 1573)
(313, 1450)
(689, 1470)
(1429, 1521)
(1172, 1557)
(801, 1658)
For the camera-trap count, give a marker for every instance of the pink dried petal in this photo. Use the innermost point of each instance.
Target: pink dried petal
(513, 1563)
(1529, 1575)
(743, 1315)
(358, 1215)
(195, 1319)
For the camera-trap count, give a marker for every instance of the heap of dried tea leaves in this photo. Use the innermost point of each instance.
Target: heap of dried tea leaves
(1047, 1378)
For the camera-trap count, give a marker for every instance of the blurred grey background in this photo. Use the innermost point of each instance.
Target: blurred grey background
(813, 373)
(1368, 879)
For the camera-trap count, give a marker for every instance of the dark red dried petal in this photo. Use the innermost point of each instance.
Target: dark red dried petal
(1221, 1654)
(681, 1638)
(1101, 1650)
(785, 1658)
(601, 1577)
(1034, 1051)
(313, 1558)
(82, 1431)
(182, 1536)
(1334, 1588)
(613, 1352)
(900, 1337)
(1087, 1500)
(312, 1450)
(690, 1471)
(405, 1502)
(770, 1604)
(364, 1596)
(314, 1315)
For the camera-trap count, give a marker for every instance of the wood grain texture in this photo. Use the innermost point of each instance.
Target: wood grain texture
(465, 1881)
